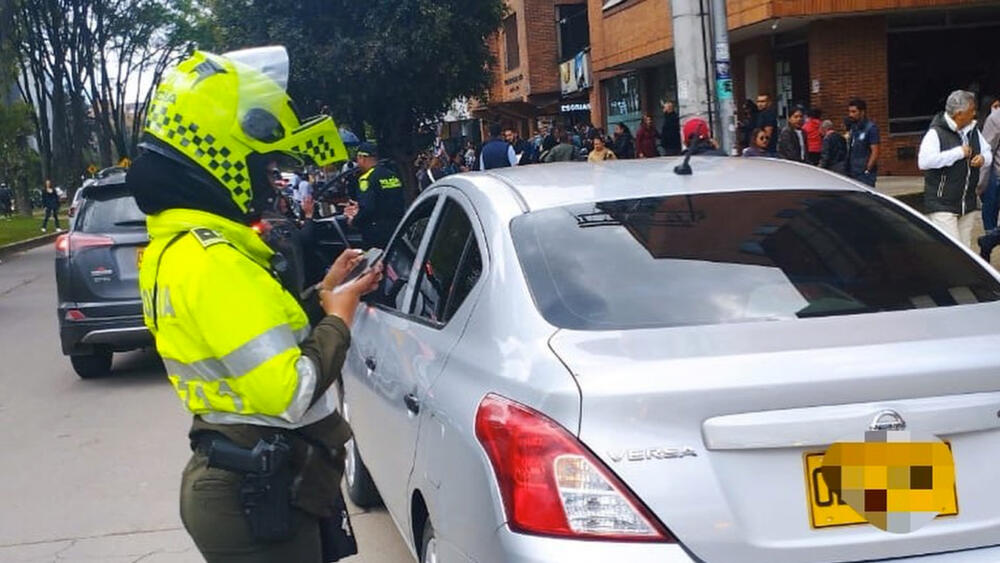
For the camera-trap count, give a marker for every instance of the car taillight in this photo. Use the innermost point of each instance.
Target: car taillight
(553, 485)
(69, 243)
(62, 244)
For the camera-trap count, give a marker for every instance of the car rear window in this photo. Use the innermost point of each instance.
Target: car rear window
(739, 256)
(109, 210)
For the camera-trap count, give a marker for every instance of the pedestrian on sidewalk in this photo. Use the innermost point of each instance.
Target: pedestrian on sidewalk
(565, 151)
(496, 153)
(623, 144)
(670, 133)
(989, 183)
(6, 201)
(698, 138)
(833, 155)
(792, 141)
(862, 144)
(758, 143)
(989, 180)
(767, 119)
(645, 138)
(952, 154)
(814, 138)
(747, 123)
(50, 201)
(600, 152)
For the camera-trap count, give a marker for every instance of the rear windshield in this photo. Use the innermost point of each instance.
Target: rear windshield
(109, 210)
(736, 257)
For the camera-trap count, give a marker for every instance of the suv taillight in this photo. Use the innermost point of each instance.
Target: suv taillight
(552, 485)
(68, 243)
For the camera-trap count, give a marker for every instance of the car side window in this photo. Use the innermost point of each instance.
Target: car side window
(451, 267)
(399, 258)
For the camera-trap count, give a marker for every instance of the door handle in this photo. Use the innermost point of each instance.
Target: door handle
(412, 403)
(370, 363)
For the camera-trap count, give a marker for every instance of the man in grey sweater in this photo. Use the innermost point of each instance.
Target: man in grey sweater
(989, 182)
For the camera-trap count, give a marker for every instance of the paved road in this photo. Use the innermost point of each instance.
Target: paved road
(90, 469)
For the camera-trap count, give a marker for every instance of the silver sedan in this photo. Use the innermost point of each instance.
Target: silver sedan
(612, 362)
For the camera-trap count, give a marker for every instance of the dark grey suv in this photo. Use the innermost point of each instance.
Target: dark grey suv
(97, 276)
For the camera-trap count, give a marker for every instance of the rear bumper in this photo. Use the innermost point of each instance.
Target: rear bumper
(980, 555)
(117, 333)
(534, 549)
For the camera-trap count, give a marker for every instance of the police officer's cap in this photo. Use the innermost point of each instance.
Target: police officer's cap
(367, 149)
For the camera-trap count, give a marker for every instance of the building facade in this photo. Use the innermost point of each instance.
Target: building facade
(902, 57)
(537, 81)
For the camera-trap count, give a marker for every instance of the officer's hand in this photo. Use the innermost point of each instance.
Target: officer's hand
(977, 161)
(367, 282)
(343, 301)
(342, 266)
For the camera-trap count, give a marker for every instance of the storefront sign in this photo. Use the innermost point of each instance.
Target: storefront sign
(574, 107)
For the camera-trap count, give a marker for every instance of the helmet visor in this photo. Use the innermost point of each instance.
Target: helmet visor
(266, 116)
(272, 62)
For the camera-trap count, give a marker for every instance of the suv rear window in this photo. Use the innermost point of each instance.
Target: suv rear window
(109, 209)
(735, 257)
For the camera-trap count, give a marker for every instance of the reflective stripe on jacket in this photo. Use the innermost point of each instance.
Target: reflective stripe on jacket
(227, 330)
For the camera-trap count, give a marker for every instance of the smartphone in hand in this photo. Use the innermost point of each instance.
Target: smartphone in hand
(370, 259)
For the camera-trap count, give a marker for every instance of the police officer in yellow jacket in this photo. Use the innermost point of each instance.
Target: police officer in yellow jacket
(245, 358)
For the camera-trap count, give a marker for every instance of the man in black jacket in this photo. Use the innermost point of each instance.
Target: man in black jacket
(951, 155)
(834, 153)
(670, 135)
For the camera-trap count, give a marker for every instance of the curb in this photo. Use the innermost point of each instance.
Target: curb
(28, 243)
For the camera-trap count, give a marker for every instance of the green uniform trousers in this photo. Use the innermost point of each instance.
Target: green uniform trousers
(213, 515)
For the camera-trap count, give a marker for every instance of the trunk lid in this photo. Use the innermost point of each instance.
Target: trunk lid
(751, 400)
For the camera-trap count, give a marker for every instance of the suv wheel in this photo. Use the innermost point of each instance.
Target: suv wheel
(97, 364)
(360, 486)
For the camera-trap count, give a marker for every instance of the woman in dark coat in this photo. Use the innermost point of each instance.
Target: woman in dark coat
(623, 144)
(645, 138)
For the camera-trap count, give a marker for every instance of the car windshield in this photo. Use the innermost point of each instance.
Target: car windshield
(110, 210)
(740, 256)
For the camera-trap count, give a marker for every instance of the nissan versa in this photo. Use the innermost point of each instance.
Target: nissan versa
(613, 362)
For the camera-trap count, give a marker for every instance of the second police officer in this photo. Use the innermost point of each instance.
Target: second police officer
(381, 202)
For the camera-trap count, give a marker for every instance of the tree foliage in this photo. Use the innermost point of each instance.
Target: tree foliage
(394, 64)
(17, 160)
(86, 68)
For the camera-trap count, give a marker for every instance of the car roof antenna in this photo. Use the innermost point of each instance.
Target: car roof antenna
(684, 168)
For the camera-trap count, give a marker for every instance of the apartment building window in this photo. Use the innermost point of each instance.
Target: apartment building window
(574, 32)
(512, 44)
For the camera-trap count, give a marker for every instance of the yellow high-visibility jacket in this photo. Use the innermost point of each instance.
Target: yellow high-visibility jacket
(228, 332)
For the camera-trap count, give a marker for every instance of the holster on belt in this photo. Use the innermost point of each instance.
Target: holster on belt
(265, 492)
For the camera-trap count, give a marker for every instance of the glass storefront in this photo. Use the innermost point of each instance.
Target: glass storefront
(622, 95)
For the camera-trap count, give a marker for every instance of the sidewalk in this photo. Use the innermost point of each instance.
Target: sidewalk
(896, 186)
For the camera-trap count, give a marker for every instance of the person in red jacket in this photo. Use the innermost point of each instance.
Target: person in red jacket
(645, 138)
(814, 137)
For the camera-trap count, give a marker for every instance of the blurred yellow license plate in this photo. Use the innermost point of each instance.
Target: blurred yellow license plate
(138, 257)
(826, 508)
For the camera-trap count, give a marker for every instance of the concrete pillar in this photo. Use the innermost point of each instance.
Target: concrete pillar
(690, 59)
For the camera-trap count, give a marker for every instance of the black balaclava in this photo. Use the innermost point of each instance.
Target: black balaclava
(161, 178)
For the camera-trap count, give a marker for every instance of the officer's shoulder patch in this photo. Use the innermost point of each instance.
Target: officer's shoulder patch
(207, 237)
